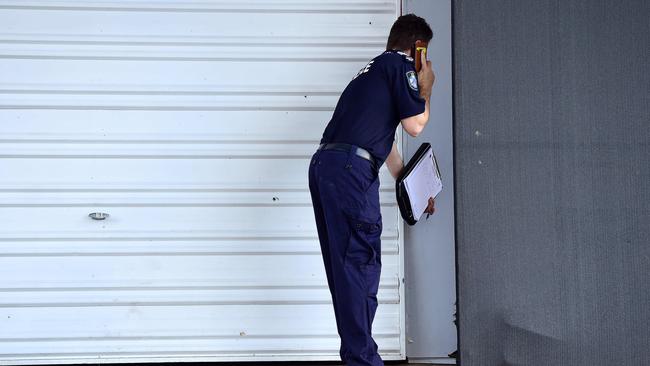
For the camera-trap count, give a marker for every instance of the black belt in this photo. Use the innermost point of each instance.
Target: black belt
(347, 147)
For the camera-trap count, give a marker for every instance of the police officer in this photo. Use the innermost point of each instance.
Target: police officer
(344, 180)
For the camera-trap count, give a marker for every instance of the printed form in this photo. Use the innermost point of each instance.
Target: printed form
(423, 182)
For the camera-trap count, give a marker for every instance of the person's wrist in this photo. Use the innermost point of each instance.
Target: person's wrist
(399, 172)
(425, 94)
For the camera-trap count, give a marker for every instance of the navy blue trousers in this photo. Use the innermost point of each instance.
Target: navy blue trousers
(345, 195)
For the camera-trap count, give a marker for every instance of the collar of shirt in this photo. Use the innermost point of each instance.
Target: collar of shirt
(406, 56)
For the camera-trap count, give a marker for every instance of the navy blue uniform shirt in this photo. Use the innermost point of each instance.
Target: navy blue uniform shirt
(371, 107)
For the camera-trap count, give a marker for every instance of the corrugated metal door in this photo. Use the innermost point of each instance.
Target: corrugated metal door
(191, 125)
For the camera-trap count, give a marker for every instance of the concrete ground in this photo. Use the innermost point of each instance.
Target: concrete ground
(387, 363)
(317, 363)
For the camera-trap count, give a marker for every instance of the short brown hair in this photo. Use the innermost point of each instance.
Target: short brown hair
(406, 30)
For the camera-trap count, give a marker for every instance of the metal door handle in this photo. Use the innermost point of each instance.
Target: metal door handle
(98, 215)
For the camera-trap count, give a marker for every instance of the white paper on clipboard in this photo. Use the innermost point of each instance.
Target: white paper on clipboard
(423, 182)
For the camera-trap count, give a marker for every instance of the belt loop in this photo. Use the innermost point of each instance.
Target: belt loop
(351, 155)
(314, 156)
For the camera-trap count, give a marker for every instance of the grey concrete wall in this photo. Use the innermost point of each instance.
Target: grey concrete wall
(429, 245)
(552, 147)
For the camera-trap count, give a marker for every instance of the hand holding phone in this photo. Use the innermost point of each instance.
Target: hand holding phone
(419, 48)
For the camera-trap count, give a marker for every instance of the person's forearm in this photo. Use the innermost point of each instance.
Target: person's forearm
(426, 95)
(394, 162)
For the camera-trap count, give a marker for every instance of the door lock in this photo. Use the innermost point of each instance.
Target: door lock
(98, 215)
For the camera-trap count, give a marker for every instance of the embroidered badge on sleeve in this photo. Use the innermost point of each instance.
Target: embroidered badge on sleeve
(412, 80)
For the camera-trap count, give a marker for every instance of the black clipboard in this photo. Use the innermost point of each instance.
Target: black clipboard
(403, 200)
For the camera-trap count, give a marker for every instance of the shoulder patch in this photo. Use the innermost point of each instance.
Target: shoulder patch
(412, 80)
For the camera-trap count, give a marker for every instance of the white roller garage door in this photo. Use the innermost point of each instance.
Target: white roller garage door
(191, 124)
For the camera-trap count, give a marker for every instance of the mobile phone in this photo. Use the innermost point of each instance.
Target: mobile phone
(416, 51)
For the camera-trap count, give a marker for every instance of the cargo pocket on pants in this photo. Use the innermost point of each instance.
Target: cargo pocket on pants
(364, 244)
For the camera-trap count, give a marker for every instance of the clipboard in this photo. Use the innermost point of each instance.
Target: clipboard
(419, 180)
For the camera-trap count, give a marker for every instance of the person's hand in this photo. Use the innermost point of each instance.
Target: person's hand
(430, 208)
(426, 76)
